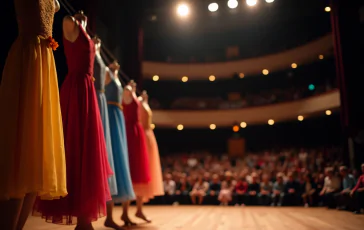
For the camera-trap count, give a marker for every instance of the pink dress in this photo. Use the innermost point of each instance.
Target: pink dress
(137, 147)
(156, 184)
(86, 157)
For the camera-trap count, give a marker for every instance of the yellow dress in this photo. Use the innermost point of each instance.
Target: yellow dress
(32, 158)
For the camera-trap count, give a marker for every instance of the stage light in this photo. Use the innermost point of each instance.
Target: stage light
(213, 7)
(212, 78)
(327, 9)
(184, 79)
(294, 65)
(243, 124)
(155, 78)
(241, 75)
(232, 4)
(321, 56)
(183, 10)
(269, 1)
(251, 2)
(212, 126)
(328, 112)
(236, 128)
(270, 122)
(179, 127)
(152, 126)
(300, 118)
(265, 72)
(311, 87)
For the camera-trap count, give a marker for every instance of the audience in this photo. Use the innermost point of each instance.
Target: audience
(285, 178)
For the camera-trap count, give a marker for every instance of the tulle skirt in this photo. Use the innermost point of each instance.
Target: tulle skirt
(32, 154)
(156, 183)
(120, 154)
(86, 157)
(101, 99)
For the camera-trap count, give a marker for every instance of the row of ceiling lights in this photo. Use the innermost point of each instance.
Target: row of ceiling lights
(183, 9)
(241, 75)
(243, 124)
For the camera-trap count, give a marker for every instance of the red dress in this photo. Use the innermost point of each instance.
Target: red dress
(137, 148)
(86, 158)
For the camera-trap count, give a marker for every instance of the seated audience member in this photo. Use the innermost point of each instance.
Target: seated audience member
(225, 193)
(265, 190)
(169, 189)
(183, 188)
(240, 190)
(358, 192)
(309, 191)
(278, 191)
(332, 185)
(253, 190)
(348, 183)
(291, 193)
(199, 190)
(214, 189)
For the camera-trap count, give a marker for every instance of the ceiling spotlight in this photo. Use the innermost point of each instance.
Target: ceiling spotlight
(294, 65)
(184, 79)
(243, 124)
(179, 127)
(321, 56)
(270, 122)
(183, 10)
(265, 72)
(213, 7)
(232, 4)
(251, 2)
(212, 78)
(212, 126)
(155, 78)
(241, 75)
(328, 112)
(327, 9)
(269, 1)
(300, 118)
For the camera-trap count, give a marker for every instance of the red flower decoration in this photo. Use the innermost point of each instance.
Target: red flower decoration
(52, 43)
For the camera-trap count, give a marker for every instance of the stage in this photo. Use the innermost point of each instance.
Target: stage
(229, 218)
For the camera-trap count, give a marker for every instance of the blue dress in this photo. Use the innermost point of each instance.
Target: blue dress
(99, 75)
(119, 142)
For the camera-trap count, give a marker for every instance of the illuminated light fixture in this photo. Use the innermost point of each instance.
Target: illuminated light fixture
(251, 2)
(269, 1)
(321, 56)
(327, 8)
(243, 125)
(294, 65)
(236, 128)
(328, 112)
(300, 118)
(270, 122)
(311, 87)
(155, 78)
(265, 72)
(179, 127)
(152, 126)
(212, 78)
(212, 126)
(183, 10)
(184, 79)
(232, 4)
(241, 75)
(213, 7)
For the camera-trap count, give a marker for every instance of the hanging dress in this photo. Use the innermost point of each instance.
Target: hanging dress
(87, 165)
(32, 154)
(119, 142)
(99, 74)
(137, 146)
(156, 184)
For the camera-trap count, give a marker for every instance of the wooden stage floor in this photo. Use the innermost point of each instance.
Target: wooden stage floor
(229, 218)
